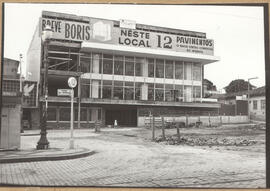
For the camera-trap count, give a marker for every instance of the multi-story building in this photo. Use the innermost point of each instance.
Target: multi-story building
(125, 70)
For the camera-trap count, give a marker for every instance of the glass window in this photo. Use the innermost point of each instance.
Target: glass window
(107, 64)
(118, 90)
(138, 86)
(64, 114)
(85, 88)
(138, 66)
(129, 66)
(262, 104)
(83, 114)
(196, 72)
(196, 91)
(169, 92)
(51, 114)
(129, 90)
(85, 64)
(99, 114)
(255, 104)
(179, 93)
(150, 91)
(160, 68)
(169, 69)
(188, 70)
(178, 70)
(159, 92)
(107, 89)
(89, 114)
(150, 67)
(118, 65)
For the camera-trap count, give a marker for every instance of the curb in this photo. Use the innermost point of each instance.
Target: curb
(80, 154)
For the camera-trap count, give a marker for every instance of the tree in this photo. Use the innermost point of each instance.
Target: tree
(208, 88)
(209, 85)
(238, 85)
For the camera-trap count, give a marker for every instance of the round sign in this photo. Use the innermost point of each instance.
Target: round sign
(72, 82)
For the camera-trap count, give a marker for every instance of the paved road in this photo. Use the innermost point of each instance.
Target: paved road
(123, 159)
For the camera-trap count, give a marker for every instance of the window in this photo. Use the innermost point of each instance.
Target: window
(51, 114)
(196, 72)
(107, 64)
(118, 90)
(150, 91)
(138, 86)
(85, 64)
(129, 90)
(255, 104)
(179, 93)
(129, 66)
(107, 89)
(169, 69)
(178, 70)
(262, 104)
(138, 66)
(150, 67)
(118, 65)
(159, 92)
(64, 114)
(169, 92)
(83, 114)
(196, 91)
(160, 68)
(85, 88)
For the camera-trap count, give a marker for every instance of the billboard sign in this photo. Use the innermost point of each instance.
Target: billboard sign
(104, 31)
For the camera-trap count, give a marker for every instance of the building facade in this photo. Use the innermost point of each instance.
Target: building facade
(124, 69)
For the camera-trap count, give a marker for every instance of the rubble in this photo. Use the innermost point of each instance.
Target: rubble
(205, 141)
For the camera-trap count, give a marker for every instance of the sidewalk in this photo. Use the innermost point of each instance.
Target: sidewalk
(28, 153)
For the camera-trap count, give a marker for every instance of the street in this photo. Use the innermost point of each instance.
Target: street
(126, 157)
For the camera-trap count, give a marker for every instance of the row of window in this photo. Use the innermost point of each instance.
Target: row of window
(134, 66)
(134, 91)
(255, 104)
(64, 114)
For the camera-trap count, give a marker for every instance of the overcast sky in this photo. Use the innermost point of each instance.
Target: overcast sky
(238, 31)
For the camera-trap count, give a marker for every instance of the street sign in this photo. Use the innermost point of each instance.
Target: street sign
(72, 82)
(64, 92)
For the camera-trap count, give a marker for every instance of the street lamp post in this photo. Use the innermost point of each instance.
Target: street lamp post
(249, 79)
(43, 142)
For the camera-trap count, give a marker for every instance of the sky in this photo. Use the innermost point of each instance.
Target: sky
(237, 31)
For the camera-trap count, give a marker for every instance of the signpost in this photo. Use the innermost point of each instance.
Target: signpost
(72, 83)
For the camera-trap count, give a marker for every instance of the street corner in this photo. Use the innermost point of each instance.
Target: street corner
(51, 154)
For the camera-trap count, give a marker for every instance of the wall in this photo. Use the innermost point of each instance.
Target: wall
(259, 113)
(214, 120)
(10, 127)
(34, 57)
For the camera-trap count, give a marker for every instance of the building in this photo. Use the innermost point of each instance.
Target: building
(237, 103)
(11, 106)
(125, 70)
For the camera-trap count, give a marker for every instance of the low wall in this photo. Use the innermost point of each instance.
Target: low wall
(213, 120)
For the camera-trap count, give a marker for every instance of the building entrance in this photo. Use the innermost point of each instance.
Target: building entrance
(124, 117)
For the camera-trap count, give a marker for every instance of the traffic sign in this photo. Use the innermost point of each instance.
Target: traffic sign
(72, 82)
(64, 92)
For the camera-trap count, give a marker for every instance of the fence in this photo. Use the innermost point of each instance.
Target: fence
(205, 120)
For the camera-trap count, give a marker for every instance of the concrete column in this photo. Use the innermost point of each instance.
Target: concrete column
(145, 69)
(144, 92)
(96, 63)
(94, 89)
